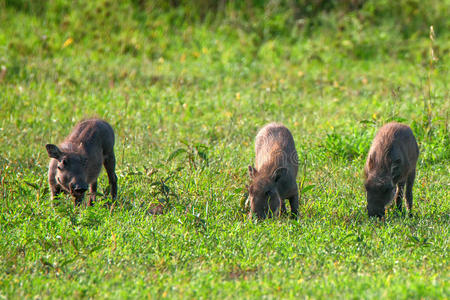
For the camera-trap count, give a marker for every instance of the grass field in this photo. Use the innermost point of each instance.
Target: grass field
(186, 97)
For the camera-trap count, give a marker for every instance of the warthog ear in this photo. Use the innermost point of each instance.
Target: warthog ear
(251, 171)
(53, 151)
(280, 172)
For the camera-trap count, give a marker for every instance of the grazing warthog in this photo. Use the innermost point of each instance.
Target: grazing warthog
(274, 174)
(391, 162)
(77, 162)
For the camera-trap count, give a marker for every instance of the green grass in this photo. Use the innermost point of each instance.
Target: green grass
(206, 87)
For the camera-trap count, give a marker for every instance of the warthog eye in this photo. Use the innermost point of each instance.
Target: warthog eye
(62, 164)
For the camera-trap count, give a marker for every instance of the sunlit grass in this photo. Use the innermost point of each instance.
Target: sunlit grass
(185, 108)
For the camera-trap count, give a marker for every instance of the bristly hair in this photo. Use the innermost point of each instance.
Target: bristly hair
(379, 152)
(71, 147)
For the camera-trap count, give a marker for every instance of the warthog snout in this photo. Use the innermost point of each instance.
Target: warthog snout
(375, 212)
(78, 189)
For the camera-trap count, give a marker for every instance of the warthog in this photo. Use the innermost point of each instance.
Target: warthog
(77, 162)
(273, 178)
(391, 163)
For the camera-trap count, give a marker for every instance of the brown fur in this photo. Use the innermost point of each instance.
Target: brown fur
(273, 178)
(391, 163)
(77, 162)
